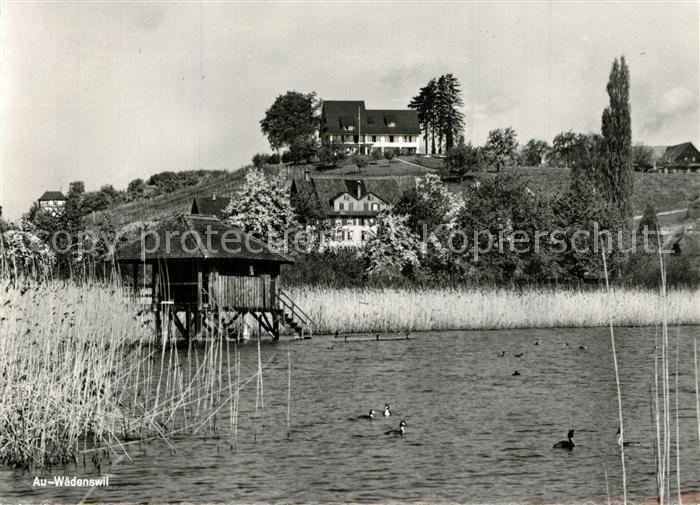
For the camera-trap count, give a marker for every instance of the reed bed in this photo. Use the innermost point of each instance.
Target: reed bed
(396, 310)
(82, 371)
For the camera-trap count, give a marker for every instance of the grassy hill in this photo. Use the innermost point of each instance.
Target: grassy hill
(664, 191)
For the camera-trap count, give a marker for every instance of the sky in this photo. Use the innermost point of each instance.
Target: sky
(108, 92)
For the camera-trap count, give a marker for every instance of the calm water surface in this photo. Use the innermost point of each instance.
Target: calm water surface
(475, 432)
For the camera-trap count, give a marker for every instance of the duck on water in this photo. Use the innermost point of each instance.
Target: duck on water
(400, 432)
(369, 416)
(566, 444)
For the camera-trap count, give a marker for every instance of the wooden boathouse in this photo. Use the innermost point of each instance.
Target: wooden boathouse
(206, 274)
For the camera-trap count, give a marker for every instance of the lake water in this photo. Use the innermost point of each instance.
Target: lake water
(475, 432)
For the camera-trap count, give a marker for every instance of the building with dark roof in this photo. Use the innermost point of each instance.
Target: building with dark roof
(199, 264)
(683, 157)
(210, 205)
(349, 123)
(350, 206)
(52, 202)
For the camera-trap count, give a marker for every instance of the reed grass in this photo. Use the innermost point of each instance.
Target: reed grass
(353, 310)
(82, 371)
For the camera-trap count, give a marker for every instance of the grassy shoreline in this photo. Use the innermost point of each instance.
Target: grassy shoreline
(398, 310)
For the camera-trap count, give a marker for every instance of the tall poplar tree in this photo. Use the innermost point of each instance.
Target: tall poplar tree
(616, 167)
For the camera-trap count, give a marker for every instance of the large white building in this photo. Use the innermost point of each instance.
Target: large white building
(348, 123)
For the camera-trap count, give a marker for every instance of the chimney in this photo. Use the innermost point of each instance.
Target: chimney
(213, 195)
(306, 175)
(359, 189)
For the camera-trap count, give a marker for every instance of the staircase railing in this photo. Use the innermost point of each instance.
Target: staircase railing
(286, 304)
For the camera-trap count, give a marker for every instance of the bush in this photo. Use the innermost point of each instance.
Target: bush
(360, 160)
(389, 153)
(376, 155)
(261, 159)
(338, 268)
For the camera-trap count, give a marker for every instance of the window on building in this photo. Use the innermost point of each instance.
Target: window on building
(365, 206)
(348, 235)
(375, 206)
(391, 138)
(346, 197)
(391, 124)
(374, 138)
(341, 206)
(365, 236)
(369, 197)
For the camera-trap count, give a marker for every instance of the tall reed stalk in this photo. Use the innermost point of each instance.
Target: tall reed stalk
(617, 381)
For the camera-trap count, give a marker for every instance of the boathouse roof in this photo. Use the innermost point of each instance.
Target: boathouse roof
(192, 236)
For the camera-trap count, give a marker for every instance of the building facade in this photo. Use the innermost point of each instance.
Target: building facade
(350, 206)
(679, 158)
(357, 129)
(52, 202)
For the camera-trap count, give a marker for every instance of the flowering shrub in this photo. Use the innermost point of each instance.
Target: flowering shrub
(26, 255)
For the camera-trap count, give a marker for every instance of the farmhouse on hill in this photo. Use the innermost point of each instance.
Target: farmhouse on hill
(357, 129)
(683, 156)
(350, 206)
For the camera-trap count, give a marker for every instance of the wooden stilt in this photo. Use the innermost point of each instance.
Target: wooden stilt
(198, 312)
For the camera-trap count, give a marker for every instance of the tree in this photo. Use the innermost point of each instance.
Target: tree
(394, 251)
(534, 152)
(642, 157)
(437, 105)
(303, 148)
(424, 103)
(259, 160)
(564, 148)
(501, 148)
(360, 160)
(262, 206)
(615, 175)
(461, 159)
(136, 189)
(450, 118)
(293, 117)
(330, 154)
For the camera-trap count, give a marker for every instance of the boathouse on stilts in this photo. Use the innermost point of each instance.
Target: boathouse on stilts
(205, 275)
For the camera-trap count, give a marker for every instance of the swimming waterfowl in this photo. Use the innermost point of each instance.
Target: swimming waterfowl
(538, 341)
(399, 432)
(516, 373)
(519, 355)
(566, 444)
(369, 416)
(583, 347)
(502, 354)
(387, 412)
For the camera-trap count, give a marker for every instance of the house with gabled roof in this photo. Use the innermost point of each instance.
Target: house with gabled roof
(683, 157)
(358, 129)
(210, 205)
(350, 206)
(52, 202)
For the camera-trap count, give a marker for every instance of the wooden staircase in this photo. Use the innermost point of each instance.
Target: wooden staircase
(295, 318)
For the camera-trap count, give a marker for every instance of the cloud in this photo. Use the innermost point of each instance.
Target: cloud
(494, 104)
(671, 105)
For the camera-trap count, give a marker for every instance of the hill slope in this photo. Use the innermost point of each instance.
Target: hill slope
(664, 191)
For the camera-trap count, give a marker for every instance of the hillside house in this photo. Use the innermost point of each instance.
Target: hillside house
(210, 205)
(52, 202)
(351, 206)
(679, 158)
(349, 123)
